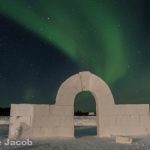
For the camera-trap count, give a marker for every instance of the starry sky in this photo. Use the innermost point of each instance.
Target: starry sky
(43, 42)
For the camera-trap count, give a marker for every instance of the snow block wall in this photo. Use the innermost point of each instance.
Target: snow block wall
(43, 121)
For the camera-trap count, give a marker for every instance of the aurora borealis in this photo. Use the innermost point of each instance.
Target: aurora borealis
(109, 38)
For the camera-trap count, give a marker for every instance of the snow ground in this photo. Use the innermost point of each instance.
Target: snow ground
(85, 140)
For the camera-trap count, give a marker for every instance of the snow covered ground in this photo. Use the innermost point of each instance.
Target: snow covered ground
(85, 140)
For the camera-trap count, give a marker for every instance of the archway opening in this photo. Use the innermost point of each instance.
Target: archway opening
(85, 123)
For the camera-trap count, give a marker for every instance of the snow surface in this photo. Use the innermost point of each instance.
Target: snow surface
(85, 140)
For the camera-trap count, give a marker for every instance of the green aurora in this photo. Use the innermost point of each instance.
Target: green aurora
(91, 37)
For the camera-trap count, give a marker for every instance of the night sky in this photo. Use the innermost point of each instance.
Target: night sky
(43, 42)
